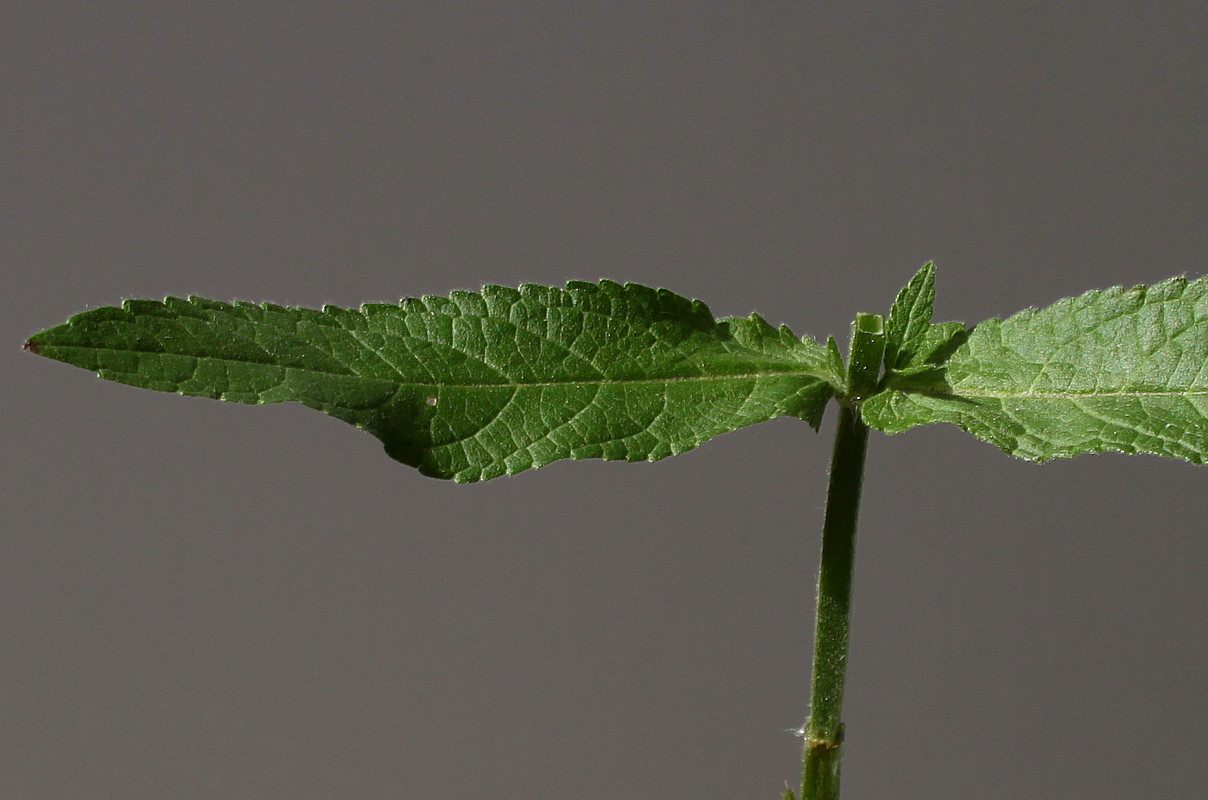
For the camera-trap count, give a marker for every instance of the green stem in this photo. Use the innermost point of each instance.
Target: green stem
(824, 730)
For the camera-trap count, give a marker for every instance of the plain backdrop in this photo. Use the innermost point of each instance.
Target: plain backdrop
(200, 600)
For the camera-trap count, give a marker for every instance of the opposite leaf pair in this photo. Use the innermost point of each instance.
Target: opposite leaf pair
(478, 385)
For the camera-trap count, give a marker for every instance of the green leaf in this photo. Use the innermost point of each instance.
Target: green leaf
(834, 359)
(910, 318)
(474, 385)
(1118, 369)
(914, 343)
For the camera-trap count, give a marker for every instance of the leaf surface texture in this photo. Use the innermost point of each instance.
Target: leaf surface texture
(1117, 369)
(476, 384)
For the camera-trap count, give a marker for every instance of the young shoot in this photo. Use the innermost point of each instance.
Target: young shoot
(481, 384)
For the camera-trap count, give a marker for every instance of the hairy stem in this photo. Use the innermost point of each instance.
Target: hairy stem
(824, 730)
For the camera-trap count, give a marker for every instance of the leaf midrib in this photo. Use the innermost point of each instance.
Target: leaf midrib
(1061, 396)
(504, 385)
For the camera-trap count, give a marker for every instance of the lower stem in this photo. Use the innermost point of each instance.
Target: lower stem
(824, 730)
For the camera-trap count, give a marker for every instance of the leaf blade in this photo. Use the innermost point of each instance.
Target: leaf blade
(473, 385)
(909, 318)
(1116, 369)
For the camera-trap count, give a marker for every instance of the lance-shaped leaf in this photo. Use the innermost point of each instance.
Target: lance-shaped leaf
(474, 385)
(913, 343)
(1118, 369)
(909, 319)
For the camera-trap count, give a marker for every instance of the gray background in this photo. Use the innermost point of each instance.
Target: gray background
(210, 601)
